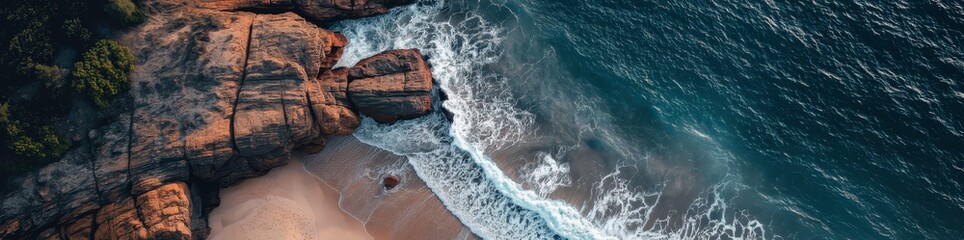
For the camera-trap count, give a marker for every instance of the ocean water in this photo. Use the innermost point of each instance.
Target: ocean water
(635, 119)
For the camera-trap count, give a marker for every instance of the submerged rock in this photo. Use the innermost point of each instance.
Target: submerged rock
(390, 182)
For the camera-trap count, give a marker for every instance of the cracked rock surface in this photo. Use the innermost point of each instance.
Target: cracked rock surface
(218, 95)
(392, 85)
(321, 10)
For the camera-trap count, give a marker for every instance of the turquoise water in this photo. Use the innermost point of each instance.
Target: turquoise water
(686, 119)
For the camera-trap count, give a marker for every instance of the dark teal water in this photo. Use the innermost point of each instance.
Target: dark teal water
(694, 119)
(844, 120)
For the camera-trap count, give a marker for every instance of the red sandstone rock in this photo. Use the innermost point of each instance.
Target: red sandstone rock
(162, 213)
(332, 108)
(321, 10)
(216, 97)
(390, 182)
(391, 86)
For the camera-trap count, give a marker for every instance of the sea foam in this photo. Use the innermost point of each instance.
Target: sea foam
(451, 156)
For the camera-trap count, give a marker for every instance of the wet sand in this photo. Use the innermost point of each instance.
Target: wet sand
(347, 200)
(407, 211)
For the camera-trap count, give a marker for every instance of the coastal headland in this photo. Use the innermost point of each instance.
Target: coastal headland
(223, 91)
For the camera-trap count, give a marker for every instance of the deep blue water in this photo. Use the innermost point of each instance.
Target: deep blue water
(690, 119)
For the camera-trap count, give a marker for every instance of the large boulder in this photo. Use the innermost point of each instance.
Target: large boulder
(391, 86)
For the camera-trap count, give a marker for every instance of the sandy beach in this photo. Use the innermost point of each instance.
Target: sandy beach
(287, 203)
(348, 200)
(407, 211)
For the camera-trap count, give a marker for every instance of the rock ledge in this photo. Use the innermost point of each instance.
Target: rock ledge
(217, 96)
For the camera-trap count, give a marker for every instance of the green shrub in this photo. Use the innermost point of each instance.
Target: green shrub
(27, 147)
(50, 76)
(75, 31)
(32, 32)
(54, 144)
(28, 142)
(4, 112)
(28, 47)
(102, 71)
(31, 146)
(125, 12)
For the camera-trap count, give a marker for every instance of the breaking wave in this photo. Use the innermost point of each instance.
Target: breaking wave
(452, 156)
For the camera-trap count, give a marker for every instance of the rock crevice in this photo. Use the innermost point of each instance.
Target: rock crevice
(217, 96)
(244, 68)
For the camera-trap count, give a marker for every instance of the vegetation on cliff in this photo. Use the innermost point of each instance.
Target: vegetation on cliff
(124, 12)
(39, 44)
(102, 72)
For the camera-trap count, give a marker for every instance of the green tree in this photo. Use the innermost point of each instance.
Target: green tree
(35, 33)
(102, 71)
(125, 12)
(75, 31)
(28, 47)
(50, 76)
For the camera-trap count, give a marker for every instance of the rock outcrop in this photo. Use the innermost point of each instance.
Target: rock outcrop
(392, 85)
(161, 213)
(322, 10)
(332, 107)
(216, 97)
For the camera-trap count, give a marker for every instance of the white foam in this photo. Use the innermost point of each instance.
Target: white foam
(546, 176)
(451, 157)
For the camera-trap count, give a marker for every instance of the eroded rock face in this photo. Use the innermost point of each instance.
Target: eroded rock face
(167, 211)
(162, 213)
(392, 85)
(272, 111)
(332, 107)
(216, 97)
(322, 10)
(120, 221)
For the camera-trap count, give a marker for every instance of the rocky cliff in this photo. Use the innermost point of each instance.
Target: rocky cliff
(223, 91)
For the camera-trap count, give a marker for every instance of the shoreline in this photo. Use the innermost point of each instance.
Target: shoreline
(337, 193)
(409, 210)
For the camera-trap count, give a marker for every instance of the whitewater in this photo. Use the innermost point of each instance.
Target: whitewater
(451, 155)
